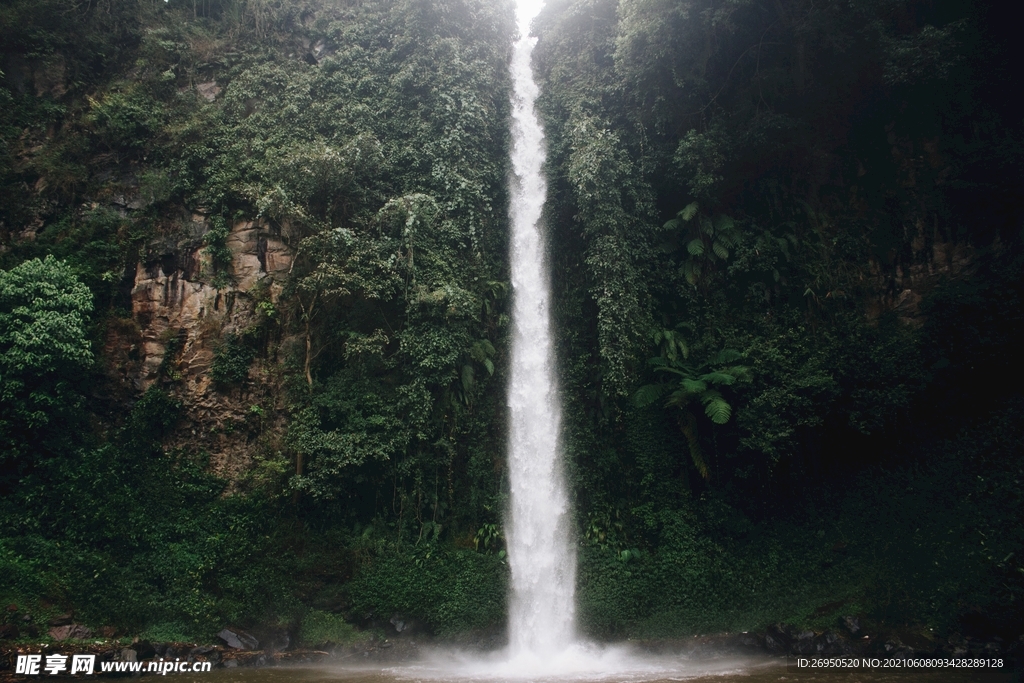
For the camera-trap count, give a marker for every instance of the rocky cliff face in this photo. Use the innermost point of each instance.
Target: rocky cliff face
(181, 315)
(902, 287)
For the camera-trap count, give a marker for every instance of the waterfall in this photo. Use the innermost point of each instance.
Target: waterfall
(542, 604)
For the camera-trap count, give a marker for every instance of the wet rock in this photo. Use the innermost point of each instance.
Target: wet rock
(238, 640)
(894, 647)
(830, 643)
(145, 649)
(230, 664)
(778, 638)
(803, 643)
(273, 638)
(76, 631)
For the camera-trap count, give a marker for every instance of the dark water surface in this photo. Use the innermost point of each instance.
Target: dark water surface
(724, 671)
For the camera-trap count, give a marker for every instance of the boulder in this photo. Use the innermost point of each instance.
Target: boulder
(76, 631)
(803, 643)
(273, 638)
(145, 649)
(239, 640)
(830, 643)
(778, 638)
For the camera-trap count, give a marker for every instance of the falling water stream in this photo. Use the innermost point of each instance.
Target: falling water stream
(542, 604)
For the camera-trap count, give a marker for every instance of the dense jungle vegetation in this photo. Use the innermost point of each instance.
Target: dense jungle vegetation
(786, 242)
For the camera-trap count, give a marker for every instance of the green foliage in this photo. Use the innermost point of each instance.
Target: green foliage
(43, 310)
(695, 384)
(701, 156)
(319, 628)
(217, 248)
(707, 241)
(930, 54)
(452, 591)
(612, 211)
(44, 342)
(127, 120)
(794, 250)
(231, 360)
(488, 539)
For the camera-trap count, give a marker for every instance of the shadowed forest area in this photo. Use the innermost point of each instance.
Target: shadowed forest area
(254, 314)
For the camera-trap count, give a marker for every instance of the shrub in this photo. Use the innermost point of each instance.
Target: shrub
(231, 361)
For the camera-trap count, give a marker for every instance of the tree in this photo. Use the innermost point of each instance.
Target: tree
(695, 384)
(43, 345)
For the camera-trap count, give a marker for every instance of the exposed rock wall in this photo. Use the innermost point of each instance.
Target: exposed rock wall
(182, 316)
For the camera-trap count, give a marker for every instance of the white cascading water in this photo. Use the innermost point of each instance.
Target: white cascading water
(542, 604)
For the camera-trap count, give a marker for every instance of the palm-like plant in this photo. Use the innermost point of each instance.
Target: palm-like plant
(692, 384)
(710, 240)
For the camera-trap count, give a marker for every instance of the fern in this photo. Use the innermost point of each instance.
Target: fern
(716, 407)
(691, 271)
(694, 386)
(648, 394)
(719, 377)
